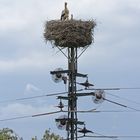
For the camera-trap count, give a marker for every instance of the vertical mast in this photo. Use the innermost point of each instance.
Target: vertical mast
(72, 100)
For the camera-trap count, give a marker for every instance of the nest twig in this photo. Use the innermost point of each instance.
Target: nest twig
(71, 33)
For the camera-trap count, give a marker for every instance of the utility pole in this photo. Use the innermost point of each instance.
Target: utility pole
(70, 34)
(72, 99)
(73, 35)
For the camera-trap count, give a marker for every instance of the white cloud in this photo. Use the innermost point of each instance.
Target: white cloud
(30, 88)
(7, 24)
(33, 62)
(18, 15)
(18, 109)
(20, 64)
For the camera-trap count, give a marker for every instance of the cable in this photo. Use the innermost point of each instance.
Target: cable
(112, 88)
(34, 97)
(55, 112)
(29, 116)
(117, 111)
(54, 94)
(123, 98)
(120, 104)
(49, 113)
(15, 118)
(104, 111)
(112, 137)
(115, 102)
(101, 136)
(129, 137)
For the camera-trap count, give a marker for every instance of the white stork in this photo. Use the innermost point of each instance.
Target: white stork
(65, 13)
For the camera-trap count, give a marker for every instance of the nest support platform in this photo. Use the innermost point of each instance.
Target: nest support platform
(70, 33)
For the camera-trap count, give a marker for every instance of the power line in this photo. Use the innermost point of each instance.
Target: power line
(110, 137)
(34, 97)
(61, 93)
(59, 111)
(121, 104)
(15, 118)
(119, 97)
(43, 114)
(116, 88)
(29, 116)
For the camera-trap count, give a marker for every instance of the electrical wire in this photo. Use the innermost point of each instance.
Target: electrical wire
(103, 111)
(29, 116)
(137, 137)
(117, 88)
(112, 137)
(49, 113)
(120, 104)
(55, 94)
(114, 102)
(15, 118)
(115, 111)
(34, 97)
(109, 137)
(59, 111)
(99, 136)
(123, 98)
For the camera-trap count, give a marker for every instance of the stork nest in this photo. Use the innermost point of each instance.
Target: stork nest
(71, 33)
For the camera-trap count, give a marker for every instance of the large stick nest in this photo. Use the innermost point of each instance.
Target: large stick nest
(70, 33)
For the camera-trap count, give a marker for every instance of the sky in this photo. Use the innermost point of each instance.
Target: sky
(111, 61)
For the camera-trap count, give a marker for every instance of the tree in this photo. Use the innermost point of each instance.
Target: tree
(50, 136)
(8, 134)
(34, 138)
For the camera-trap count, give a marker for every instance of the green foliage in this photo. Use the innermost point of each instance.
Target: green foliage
(7, 134)
(50, 136)
(34, 138)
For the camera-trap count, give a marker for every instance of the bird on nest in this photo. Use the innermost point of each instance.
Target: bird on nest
(65, 13)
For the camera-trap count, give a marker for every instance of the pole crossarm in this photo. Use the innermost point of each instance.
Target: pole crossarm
(85, 94)
(81, 75)
(68, 120)
(68, 72)
(63, 97)
(76, 95)
(61, 71)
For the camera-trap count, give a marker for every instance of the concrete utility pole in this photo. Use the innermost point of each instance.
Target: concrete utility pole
(72, 99)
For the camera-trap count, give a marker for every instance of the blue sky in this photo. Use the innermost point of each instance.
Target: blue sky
(26, 61)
